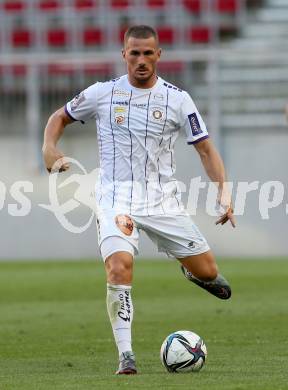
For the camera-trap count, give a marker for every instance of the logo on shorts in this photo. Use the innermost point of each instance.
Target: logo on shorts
(125, 224)
(191, 244)
(119, 115)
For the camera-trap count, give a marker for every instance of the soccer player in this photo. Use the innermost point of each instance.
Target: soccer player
(138, 118)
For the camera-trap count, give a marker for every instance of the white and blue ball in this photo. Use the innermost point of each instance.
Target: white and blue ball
(183, 351)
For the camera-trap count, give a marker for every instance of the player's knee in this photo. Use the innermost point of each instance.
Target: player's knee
(119, 270)
(118, 274)
(209, 273)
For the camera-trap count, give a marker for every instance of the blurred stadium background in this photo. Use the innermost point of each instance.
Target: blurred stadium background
(231, 55)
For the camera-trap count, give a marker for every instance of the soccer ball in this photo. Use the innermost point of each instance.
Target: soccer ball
(183, 351)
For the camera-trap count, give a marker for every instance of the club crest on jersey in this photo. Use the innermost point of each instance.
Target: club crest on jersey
(194, 124)
(78, 99)
(157, 114)
(125, 224)
(119, 115)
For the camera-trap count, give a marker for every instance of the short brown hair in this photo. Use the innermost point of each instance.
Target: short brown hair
(142, 32)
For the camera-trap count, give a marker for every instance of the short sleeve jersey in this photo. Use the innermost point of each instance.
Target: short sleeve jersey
(137, 129)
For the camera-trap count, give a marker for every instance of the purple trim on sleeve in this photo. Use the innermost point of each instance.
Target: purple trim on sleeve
(70, 116)
(198, 140)
(68, 113)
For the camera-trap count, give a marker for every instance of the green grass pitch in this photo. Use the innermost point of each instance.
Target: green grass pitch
(55, 334)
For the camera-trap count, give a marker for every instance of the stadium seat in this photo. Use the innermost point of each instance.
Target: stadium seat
(57, 37)
(21, 38)
(118, 4)
(98, 69)
(227, 6)
(49, 5)
(156, 3)
(171, 67)
(193, 6)
(16, 70)
(199, 34)
(14, 6)
(121, 33)
(93, 36)
(84, 5)
(19, 70)
(61, 69)
(89, 69)
(166, 35)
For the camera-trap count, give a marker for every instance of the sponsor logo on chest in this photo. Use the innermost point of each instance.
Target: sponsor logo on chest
(120, 102)
(121, 92)
(158, 96)
(142, 106)
(119, 115)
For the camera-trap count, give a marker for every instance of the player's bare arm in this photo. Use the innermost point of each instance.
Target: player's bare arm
(214, 168)
(53, 132)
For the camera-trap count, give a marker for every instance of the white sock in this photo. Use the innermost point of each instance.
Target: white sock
(120, 311)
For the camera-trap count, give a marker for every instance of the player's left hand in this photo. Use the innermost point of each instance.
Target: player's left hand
(224, 200)
(228, 216)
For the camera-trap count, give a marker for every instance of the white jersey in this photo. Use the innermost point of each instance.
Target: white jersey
(137, 129)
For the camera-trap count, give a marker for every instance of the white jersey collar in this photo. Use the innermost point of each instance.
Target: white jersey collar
(143, 90)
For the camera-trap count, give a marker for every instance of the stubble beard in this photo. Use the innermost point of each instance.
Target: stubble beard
(144, 79)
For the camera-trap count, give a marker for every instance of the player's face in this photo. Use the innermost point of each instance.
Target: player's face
(141, 56)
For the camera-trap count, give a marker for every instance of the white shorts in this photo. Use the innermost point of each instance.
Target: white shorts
(176, 235)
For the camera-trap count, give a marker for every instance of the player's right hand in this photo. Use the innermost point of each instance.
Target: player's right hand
(54, 159)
